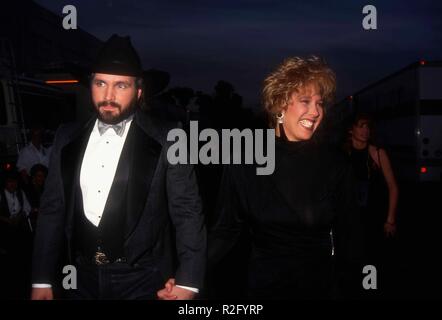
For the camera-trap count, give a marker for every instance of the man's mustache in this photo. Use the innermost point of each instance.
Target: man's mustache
(109, 103)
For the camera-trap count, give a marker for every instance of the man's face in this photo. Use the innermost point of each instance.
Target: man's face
(39, 178)
(114, 97)
(36, 136)
(11, 185)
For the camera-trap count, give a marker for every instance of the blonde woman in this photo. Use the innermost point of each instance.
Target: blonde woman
(303, 213)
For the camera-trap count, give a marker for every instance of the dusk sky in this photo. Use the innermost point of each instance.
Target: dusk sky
(200, 42)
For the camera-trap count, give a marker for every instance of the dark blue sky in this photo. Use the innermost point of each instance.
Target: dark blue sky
(241, 41)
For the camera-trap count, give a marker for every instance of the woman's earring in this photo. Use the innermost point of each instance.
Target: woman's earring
(280, 117)
(280, 120)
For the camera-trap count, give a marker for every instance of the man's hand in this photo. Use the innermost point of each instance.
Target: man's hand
(172, 292)
(166, 293)
(42, 294)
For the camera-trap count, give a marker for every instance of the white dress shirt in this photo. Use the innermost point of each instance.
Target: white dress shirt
(14, 205)
(97, 173)
(98, 169)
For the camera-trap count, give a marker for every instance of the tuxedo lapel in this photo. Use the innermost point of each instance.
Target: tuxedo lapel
(71, 158)
(118, 191)
(144, 158)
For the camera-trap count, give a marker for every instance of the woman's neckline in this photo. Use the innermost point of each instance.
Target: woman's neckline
(292, 146)
(359, 149)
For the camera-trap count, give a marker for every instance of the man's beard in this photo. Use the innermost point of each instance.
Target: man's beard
(108, 116)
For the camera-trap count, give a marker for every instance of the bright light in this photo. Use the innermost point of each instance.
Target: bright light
(422, 62)
(424, 170)
(60, 81)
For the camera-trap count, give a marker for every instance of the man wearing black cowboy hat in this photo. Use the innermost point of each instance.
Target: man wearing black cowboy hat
(113, 206)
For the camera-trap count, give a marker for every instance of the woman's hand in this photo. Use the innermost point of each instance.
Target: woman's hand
(166, 292)
(173, 292)
(389, 229)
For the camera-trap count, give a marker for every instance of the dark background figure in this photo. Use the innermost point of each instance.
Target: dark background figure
(378, 195)
(15, 238)
(172, 105)
(34, 153)
(180, 110)
(34, 190)
(228, 107)
(302, 220)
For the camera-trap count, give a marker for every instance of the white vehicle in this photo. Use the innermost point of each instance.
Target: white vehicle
(407, 109)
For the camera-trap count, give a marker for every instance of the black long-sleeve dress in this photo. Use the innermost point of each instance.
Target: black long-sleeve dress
(297, 218)
(372, 201)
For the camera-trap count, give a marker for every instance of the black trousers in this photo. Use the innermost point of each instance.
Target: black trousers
(116, 281)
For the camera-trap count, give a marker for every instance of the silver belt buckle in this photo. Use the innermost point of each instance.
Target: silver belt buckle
(100, 258)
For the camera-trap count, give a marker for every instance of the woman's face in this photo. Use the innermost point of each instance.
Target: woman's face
(303, 115)
(361, 131)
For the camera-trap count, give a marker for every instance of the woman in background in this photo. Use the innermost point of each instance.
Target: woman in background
(377, 188)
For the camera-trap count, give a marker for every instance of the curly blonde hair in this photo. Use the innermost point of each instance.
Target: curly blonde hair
(294, 75)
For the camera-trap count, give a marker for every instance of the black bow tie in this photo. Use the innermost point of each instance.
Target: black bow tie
(118, 128)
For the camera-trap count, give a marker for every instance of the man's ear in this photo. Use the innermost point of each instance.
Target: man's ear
(139, 92)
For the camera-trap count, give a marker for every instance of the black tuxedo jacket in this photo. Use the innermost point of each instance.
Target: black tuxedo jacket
(164, 218)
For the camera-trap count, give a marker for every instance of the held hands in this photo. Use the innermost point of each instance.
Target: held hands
(42, 294)
(172, 292)
(389, 229)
